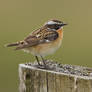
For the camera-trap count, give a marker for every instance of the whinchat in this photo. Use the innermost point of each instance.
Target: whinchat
(43, 41)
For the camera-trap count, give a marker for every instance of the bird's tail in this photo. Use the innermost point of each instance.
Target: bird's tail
(19, 45)
(12, 44)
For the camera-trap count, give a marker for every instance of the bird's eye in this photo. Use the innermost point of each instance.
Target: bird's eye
(54, 26)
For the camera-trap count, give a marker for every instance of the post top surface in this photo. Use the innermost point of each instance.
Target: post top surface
(61, 69)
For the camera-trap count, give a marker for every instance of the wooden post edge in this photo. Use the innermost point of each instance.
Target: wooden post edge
(33, 79)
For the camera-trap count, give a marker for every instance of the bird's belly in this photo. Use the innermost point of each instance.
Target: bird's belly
(46, 48)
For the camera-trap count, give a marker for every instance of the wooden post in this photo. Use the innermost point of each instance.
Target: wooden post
(34, 79)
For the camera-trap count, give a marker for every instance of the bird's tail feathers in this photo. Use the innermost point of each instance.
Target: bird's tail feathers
(12, 44)
(18, 45)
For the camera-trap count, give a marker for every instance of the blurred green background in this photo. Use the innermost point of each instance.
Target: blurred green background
(19, 17)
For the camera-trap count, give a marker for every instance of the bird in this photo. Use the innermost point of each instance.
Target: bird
(43, 41)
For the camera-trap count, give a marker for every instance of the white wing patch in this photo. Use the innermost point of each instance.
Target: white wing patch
(47, 41)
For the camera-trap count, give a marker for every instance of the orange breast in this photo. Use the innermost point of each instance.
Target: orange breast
(60, 32)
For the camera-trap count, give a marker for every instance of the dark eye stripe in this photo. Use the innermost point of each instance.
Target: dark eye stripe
(54, 26)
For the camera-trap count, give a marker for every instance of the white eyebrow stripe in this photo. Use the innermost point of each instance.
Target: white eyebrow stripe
(52, 22)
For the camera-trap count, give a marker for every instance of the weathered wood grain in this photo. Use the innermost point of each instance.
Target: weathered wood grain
(33, 79)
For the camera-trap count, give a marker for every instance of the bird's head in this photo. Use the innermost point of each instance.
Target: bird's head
(54, 24)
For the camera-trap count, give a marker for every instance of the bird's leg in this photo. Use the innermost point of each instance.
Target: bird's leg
(37, 60)
(43, 61)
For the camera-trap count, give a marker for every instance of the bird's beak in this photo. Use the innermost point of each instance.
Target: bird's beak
(64, 24)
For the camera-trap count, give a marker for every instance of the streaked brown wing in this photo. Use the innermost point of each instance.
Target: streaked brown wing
(38, 37)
